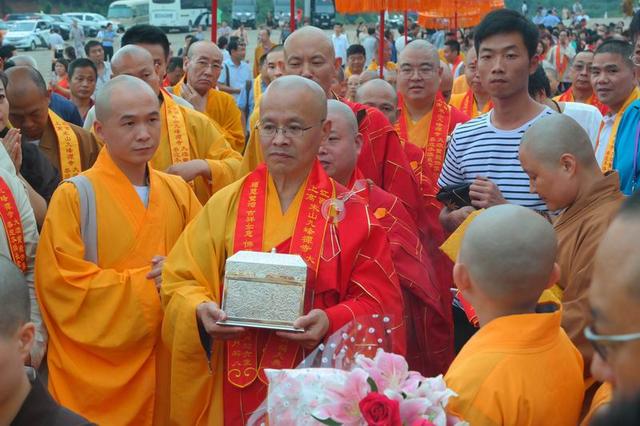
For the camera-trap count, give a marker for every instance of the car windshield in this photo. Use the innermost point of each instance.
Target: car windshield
(21, 26)
(325, 6)
(120, 11)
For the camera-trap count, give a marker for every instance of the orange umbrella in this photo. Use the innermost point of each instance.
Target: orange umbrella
(441, 14)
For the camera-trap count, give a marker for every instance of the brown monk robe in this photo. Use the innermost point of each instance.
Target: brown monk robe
(558, 157)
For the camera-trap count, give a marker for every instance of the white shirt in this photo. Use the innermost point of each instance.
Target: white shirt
(587, 116)
(143, 193)
(340, 45)
(603, 141)
(56, 41)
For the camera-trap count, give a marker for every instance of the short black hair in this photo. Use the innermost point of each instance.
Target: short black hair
(453, 45)
(356, 49)
(538, 82)
(371, 30)
(147, 34)
(6, 51)
(617, 47)
(401, 29)
(64, 63)
(234, 44)
(90, 45)
(70, 51)
(81, 63)
(175, 62)
(262, 60)
(223, 41)
(503, 21)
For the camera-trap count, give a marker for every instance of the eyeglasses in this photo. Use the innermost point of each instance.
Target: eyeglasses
(424, 71)
(268, 130)
(602, 342)
(204, 64)
(635, 58)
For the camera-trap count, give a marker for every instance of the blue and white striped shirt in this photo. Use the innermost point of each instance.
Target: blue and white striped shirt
(477, 148)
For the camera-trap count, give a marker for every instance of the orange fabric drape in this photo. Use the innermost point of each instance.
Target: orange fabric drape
(350, 6)
(442, 14)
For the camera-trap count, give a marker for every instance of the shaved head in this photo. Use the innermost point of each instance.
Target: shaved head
(116, 89)
(291, 86)
(446, 81)
(340, 110)
(379, 94)
(369, 75)
(309, 35)
(126, 54)
(14, 298)
(509, 252)
(557, 134)
(419, 46)
(201, 46)
(25, 77)
(308, 52)
(338, 155)
(21, 61)
(298, 105)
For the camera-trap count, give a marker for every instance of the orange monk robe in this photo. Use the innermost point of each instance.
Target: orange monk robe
(593, 100)
(427, 314)
(104, 319)
(579, 230)
(468, 105)
(518, 370)
(460, 85)
(358, 280)
(382, 158)
(222, 109)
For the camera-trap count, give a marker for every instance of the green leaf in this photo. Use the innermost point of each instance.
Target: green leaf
(372, 383)
(329, 422)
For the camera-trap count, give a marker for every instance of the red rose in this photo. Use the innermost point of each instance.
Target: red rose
(378, 410)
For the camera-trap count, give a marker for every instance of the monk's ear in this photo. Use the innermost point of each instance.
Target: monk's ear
(461, 277)
(358, 142)
(26, 335)
(98, 129)
(555, 276)
(568, 164)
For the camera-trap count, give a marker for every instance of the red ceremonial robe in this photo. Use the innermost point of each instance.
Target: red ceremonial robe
(427, 315)
(351, 275)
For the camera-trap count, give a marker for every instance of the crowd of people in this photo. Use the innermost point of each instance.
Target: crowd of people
(478, 194)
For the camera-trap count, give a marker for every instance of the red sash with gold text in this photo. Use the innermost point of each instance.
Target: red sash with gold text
(307, 241)
(12, 226)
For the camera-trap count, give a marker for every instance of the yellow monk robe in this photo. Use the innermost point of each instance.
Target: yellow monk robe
(222, 108)
(260, 50)
(205, 141)
(346, 285)
(104, 319)
(468, 105)
(460, 85)
(373, 66)
(69, 148)
(518, 370)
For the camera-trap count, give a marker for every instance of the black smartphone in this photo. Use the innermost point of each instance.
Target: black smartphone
(455, 196)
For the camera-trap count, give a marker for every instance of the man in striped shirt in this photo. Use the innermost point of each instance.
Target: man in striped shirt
(484, 151)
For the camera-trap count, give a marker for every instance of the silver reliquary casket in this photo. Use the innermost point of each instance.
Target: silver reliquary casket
(264, 290)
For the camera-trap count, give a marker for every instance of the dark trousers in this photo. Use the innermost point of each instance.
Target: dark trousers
(108, 53)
